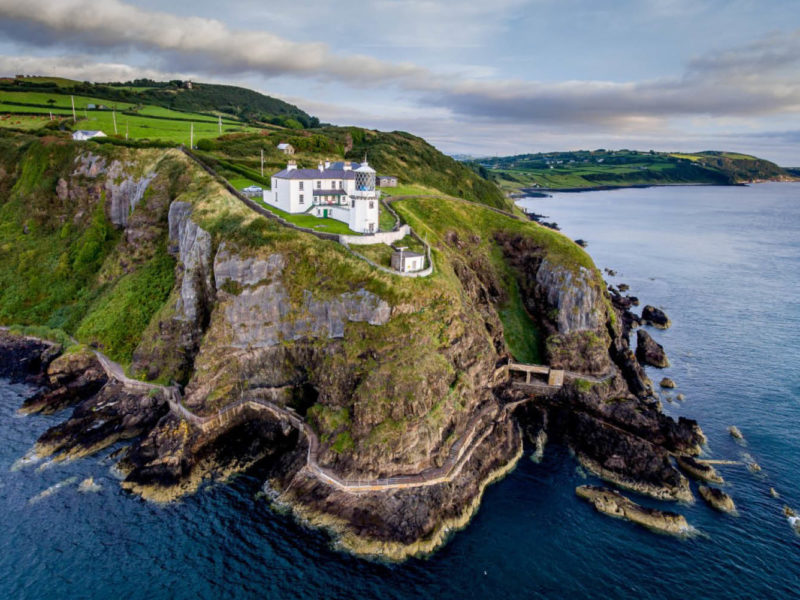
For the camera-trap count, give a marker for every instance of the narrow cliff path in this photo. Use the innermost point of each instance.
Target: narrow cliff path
(478, 428)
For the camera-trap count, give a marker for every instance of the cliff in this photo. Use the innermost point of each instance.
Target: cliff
(379, 405)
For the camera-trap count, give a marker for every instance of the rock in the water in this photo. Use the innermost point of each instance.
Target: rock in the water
(616, 505)
(623, 287)
(667, 383)
(655, 317)
(680, 397)
(650, 352)
(774, 493)
(698, 470)
(735, 433)
(717, 499)
(88, 485)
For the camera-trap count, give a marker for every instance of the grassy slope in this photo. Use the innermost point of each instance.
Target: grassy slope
(434, 218)
(59, 261)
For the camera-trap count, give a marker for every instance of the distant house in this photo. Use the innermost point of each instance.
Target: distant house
(83, 135)
(91, 106)
(253, 190)
(286, 148)
(406, 261)
(387, 181)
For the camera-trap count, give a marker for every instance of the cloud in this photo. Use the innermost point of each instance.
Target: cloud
(756, 79)
(83, 68)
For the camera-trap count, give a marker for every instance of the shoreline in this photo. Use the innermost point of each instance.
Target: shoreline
(542, 192)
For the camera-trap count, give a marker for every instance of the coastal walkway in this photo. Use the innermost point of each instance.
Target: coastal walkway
(478, 428)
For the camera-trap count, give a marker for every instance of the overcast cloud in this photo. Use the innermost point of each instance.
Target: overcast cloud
(452, 80)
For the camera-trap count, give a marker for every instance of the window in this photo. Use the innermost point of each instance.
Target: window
(319, 185)
(302, 201)
(301, 186)
(371, 204)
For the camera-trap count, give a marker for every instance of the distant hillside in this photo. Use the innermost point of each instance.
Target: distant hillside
(176, 95)
(623, 168)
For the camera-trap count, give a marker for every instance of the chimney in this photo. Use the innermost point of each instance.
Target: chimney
(291, 165)
(320, 167)
(347, 166)
(327, 164)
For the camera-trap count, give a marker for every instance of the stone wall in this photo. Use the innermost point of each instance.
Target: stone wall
(383, 237)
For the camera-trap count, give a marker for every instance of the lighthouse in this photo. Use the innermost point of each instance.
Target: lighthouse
(365, 200)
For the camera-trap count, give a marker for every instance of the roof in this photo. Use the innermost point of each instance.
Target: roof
(314, 174)
(409, 254)
(253, 187)
(329, 193)
(365, 168)
(340, 165)
(385, 176)
(283, 145)
(88, 132)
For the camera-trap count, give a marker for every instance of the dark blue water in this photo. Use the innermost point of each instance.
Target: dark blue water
(723, 262)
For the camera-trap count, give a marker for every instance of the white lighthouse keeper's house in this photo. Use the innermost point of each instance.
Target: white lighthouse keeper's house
(345, 192)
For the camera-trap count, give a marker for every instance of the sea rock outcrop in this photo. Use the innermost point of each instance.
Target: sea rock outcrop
(655, 317)
(699, 470)
(667, 383)
(717, 499)
(650, 352)
(72, 377)
(616, 505)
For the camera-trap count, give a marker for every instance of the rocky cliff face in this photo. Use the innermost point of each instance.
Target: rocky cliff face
(394, 377)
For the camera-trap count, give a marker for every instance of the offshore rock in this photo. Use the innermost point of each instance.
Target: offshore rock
(698, 470)
(616, 505)
(655, 317)
(666, 382)
(650, 352)
(717, 499)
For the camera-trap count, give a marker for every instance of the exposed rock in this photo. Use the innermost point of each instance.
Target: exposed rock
(655, 317)
(616, 505)
(73, 377)
(626, 459)
(698, 470)
(194, 254)
(717, 499)
(666, 382)
(99, 421)
(773, 492)
(735, 433)
(25, 359)
(650, 352)
(582, 243)
(124, 191)
(680, 397)
(623, 287)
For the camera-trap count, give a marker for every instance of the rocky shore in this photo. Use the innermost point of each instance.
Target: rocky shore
(616, 505)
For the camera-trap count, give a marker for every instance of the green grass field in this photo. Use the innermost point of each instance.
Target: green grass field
(311, 222)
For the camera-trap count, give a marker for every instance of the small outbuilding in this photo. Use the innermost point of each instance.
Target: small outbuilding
(84, 134)
(286, 148)
(387, 181)
(407, 262)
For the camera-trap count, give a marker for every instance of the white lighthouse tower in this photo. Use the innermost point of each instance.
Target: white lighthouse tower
(364, 210)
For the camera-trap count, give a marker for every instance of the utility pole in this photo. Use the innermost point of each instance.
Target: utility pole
(126, 129)
(51, 115)
(191, 136)
(114, 117)
(74, 118)
(262, 162)
(220, 123)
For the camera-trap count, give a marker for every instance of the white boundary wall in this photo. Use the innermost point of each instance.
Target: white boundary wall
(382, 237)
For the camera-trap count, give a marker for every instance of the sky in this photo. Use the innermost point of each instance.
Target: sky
(490, 78)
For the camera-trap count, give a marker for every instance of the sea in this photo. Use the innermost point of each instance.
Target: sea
(723, 262)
